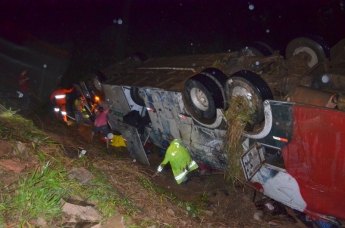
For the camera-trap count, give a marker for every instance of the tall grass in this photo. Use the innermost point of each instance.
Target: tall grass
(15, 127)
(238, 116)
(37, 194)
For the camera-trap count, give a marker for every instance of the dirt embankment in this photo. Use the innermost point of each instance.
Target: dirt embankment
(205, 201)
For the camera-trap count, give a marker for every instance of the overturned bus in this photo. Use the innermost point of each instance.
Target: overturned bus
(293, 150)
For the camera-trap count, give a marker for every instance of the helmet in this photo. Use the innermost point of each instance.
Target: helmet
(110, 136)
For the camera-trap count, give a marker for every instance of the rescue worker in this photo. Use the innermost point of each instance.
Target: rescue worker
(23, 83)
(59, 100)
(180, 161)
(80, 112)
(101, 124)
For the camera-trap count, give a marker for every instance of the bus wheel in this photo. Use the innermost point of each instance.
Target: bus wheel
(198, 96)
(316, 52)
(254, 89)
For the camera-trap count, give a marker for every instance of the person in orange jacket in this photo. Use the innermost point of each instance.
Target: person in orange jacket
(59, 99)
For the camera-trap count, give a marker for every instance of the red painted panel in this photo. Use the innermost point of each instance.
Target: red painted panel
(316, 158)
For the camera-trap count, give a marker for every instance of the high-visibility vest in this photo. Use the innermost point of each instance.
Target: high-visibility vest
(180, 161)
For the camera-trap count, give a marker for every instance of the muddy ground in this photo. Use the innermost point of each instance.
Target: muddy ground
(219, 204)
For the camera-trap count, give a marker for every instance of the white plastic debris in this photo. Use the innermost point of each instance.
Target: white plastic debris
(44, 66)
(268, 30)
(269, 206)
(20, 94)
(82, 153)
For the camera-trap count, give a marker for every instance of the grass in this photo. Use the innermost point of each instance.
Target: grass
(39, 192)
(105, 196)
(238, 116)
(15, 127)
(2, 211)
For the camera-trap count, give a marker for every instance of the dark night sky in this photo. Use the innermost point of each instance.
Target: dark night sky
(160, 27)
(195, 19)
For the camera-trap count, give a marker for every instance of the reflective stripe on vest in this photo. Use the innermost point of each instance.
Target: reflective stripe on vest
(60, 96)
(190, 166)
(181, 175)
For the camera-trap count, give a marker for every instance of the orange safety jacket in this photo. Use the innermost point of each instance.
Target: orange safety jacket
(58, 98)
